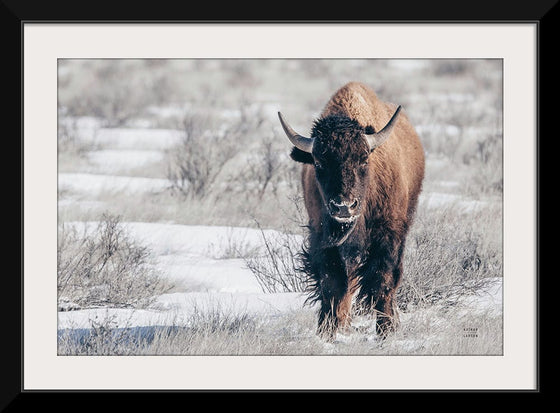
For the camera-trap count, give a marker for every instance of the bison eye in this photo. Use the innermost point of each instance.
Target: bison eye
(318, 165)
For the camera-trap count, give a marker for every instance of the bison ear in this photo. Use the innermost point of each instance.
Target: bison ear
(301, 156)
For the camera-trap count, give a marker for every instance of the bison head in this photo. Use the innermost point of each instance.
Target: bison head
(339, 148)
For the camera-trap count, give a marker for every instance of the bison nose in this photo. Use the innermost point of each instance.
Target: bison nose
(342, 209)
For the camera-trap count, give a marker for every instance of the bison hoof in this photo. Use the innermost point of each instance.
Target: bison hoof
(385, 327)
(326, 333)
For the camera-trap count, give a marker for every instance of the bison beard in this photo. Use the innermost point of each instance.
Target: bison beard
(357, 259)
(335, 233)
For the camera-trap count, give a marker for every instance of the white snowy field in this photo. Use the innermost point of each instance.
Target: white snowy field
(196, 258)
(186, 255)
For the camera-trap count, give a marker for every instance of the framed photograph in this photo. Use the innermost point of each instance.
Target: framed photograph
(168, 226)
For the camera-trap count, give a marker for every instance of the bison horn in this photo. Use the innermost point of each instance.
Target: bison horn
(301, 142)
(376, 139)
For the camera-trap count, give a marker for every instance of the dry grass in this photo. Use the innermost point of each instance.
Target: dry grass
(432, 331)
(105, 268)
(450, 254)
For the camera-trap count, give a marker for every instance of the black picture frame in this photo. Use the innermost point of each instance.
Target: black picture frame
(15, 14)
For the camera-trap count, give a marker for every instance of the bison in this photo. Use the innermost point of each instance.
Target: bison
(363, 167)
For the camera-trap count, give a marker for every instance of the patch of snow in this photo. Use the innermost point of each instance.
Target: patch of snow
(196, 239)
(434, 162)
(81, 123)
(169, 111)
(138, 138)
(443, 199)
(96, 183)
(181, 307)
(110, 161)
(84, 206)
(438, 129)
(231, 276)
(438, 199)
(448, 184)
(489, 298)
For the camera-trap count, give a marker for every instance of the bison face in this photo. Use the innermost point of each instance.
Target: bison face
(340, 157)
(339, 149)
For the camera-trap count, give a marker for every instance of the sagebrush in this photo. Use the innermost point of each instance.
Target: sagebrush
(105, 267)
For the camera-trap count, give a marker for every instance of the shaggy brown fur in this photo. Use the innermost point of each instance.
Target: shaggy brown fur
(359, 261)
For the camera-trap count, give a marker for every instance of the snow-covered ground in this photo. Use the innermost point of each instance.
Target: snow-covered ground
(93, 184)
(195, 258)
(186, 255)
(111, 160)
(141, 138)
(441, 199)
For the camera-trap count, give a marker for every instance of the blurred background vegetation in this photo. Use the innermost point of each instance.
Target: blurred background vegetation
(231, 159)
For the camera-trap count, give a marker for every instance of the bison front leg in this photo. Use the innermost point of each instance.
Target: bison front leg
(378, 293)
(387, 319)
(328, 323)
(382, 303)
(334, 294)
(335, 312)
